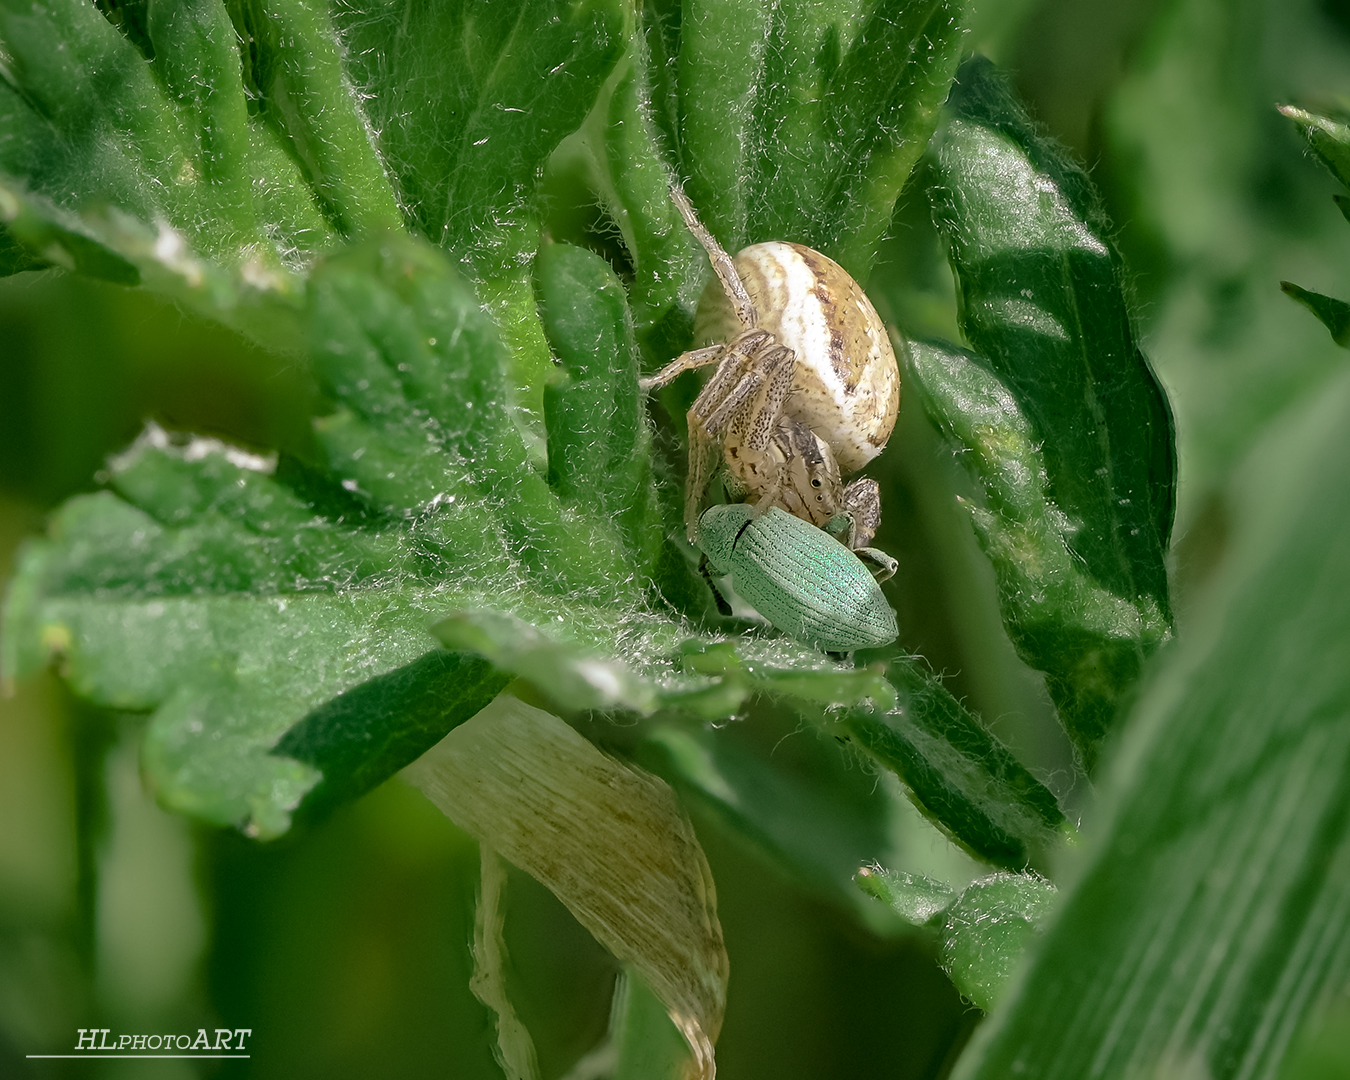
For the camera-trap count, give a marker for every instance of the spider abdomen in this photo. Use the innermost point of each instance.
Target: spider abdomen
(846, 385)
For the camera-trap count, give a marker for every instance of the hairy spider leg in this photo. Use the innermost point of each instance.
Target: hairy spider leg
(736, 382)
(744, 425)
(687, 361)
(752, 431)
(776, 365)
(705, 445)
(722, 265)
(737, 360)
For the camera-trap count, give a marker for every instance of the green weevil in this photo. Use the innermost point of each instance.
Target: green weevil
(805, 582)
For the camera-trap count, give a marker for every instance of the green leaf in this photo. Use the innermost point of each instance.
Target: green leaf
(957, 773)
(982, 932)
(1091, 642)
(296, 66)
(1332, 313)
(46, 236)
(362, 737)
(84, 115)
(1208, 915)
(468, 101)
(916, 898)
(849, 101)
(600, 656)
(240, 598)
(667, 261)
(1042, 298)
(403, 345)
(227, 624)
(15, 258)
(91, 124)
(797, 810)
(988, 930)
(808, 134)
(275, 617)
(1327, 137)
(599, 447)
(151, 172)
(719, 55)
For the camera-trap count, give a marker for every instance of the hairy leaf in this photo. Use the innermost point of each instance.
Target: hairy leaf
(1042, 298)
(265, 305)
(804, 817)
(276, 618)
(794, 121)
(957, 773)
(1090, 641)
(982, 931)
(599, 447)
(667, 261)
(295, 66)
(846, 102)
(916, 898)
(467, 100)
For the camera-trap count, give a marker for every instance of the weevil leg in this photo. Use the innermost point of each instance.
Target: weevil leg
(883, 565)
(839, 526)
(722, 265)
(862, 500)
(689, 361)
(723, 608)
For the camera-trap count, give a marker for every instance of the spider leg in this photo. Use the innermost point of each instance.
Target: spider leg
(705, 453)
(777, 364)
(722, 265)
(730, 414)
(705, 443)
(695, 358)
(728, 375)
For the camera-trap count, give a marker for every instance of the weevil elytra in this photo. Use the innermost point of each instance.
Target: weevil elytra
(806, 383)
(809, 585)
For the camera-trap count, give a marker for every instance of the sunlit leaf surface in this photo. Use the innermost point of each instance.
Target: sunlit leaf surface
(1042, 299)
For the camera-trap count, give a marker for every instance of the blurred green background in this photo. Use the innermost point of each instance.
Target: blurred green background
(345, 946)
